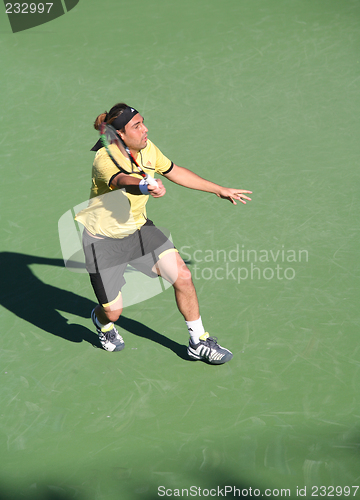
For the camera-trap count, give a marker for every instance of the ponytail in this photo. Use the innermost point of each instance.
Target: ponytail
(99, 120)
(110, 116)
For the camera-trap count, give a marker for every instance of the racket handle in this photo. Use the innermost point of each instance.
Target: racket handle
(151, 181)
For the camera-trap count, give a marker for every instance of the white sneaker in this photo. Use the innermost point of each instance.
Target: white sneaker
(209, 350)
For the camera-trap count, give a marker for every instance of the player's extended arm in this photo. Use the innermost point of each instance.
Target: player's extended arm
(189, 179)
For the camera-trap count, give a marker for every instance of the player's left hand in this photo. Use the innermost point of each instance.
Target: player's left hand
(234, 194)
(158, 190)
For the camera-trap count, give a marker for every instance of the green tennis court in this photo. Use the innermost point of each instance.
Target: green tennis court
(261, 95)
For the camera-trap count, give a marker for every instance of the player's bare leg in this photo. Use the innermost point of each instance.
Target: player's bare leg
(185, 293)
(172, 268)
(201, 345)
(108, 315)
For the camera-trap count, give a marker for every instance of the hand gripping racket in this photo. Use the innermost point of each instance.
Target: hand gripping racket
(114, 144)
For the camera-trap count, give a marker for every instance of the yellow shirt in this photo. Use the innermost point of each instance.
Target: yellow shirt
(113, 212)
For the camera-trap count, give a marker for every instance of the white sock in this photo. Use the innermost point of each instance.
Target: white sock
(195, 329)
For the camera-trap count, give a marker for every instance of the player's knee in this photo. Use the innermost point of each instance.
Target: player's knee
(184, 281)
(184, 273)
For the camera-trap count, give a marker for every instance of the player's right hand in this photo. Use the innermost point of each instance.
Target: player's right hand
(157, 191)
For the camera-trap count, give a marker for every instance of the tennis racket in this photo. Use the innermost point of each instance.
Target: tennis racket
(125, 161)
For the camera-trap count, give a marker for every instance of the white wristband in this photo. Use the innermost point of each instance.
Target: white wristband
(143, 186)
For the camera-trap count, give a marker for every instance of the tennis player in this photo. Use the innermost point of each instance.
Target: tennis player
(117, 233)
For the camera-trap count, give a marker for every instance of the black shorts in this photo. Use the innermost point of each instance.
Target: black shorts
(107, 258)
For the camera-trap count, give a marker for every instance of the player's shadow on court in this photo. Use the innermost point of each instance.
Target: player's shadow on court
(38, 303)
(141, 330)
